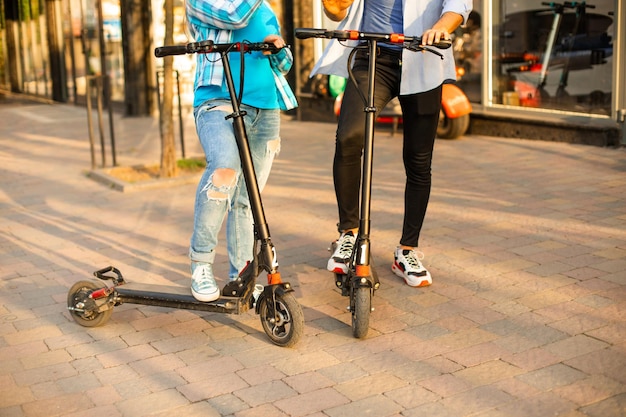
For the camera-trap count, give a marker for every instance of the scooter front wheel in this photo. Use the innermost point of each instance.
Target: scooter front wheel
(83, 308)
(360, 309)
(286, 326)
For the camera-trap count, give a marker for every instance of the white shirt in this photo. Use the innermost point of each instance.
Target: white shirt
(420, 71)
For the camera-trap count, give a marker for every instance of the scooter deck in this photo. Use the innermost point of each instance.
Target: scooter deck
(175, 296)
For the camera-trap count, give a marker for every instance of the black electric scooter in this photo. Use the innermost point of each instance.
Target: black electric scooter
(361, 281)
(559, 11)
(91, 302)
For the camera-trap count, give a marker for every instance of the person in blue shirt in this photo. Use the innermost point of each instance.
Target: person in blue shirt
(416, 79)
(221, 193)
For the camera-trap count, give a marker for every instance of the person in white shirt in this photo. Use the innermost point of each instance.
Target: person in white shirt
(416, 79)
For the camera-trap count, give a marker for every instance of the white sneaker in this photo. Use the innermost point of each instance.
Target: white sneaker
(203, 285)
(407, 265)
(338, 262)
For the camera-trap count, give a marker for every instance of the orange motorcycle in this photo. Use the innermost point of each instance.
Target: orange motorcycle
(454, 118)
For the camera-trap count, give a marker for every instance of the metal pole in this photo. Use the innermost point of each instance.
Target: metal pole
(180, 116)
(105, 75)
(90, 121)
(99, 82)
(158, 91)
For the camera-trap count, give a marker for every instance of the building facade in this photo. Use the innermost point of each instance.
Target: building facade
(559, 63)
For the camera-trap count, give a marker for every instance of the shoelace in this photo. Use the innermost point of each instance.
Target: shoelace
(204, 278)
(347, 244)
(414, 258)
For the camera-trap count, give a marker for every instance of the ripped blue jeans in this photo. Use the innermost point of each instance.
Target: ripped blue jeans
(222, 190)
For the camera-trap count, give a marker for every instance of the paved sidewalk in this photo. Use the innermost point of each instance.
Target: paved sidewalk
(526, 242)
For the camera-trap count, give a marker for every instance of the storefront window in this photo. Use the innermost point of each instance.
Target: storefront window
(468, 54)
(86, 45)
(553, 55)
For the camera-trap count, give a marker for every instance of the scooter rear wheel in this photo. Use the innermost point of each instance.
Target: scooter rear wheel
(361, 308)
(286, 327)
(84, 309)
(452, 128)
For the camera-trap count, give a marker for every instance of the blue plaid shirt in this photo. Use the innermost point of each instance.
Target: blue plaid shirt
(218, 20)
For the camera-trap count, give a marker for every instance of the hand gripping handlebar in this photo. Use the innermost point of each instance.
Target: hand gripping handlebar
(409, 42)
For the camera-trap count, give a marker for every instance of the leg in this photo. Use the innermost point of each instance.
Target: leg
(351, 131)
(347, 164)
(262, 129)
(214, 194)
(421, 116)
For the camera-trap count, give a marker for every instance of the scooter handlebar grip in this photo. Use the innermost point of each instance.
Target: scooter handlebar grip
(306, 33)
(443, 44)
(163, 51)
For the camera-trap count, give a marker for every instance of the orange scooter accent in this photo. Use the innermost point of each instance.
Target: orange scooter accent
(274, 278)
(362, 270)
(454, 101)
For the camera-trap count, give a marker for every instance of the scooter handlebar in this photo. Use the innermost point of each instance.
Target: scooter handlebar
(394, 38)
(208, 46)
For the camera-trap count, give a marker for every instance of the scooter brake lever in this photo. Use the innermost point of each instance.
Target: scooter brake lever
(413, 46)
(439, 54)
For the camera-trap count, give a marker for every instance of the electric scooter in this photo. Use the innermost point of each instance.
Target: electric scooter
(91, 302)
(361, 281)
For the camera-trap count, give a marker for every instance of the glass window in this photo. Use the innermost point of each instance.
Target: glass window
(468, 54)
(553, 55)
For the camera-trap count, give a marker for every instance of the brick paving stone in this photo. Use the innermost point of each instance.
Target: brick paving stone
(201, 409)
(576, 346)
(540, 405)
(311, 402)
(342, 372)
(615, 404)
(103, 411)
(308, 381)
(476, 400)
(444, 385)
(78, 383)
(609, 362)
(58, 406)
(103, 396)
(11, 395)
(116, 374)
(45, 373)
(127, 355)
(261, 411)
(157, 364)
(517, 388)
(211, 387)
(227, 404)
(370, 385)
(590, 390)
(159, 402)
(552, 376)
(305, 363)
(532, 359)
(411, 396)
(378, 405)
(260, 374)
(488, 373)
(477, 354)
(214, 367)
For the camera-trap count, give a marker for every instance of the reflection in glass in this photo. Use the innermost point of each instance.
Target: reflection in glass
(555, 56)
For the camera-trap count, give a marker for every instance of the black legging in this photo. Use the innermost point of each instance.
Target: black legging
(420, 113)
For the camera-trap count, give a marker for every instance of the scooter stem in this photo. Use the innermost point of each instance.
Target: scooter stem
(267, 256)
(362, 260)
